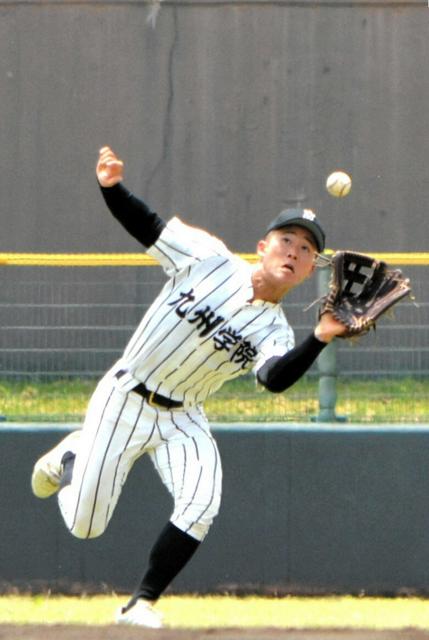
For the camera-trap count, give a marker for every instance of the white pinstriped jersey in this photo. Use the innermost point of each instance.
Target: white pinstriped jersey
(201, 330)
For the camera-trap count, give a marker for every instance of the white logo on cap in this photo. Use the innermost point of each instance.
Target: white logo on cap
(308, 214)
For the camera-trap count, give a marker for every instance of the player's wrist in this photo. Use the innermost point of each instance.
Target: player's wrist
(322, 335)
(107, 184)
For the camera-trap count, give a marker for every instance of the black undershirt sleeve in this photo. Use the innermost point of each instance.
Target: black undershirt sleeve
(142, 223)
(281, 372)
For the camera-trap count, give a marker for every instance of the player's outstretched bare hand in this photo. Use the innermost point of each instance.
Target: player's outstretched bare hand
(109, 168)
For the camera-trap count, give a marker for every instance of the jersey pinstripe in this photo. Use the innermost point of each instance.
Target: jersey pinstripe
(202, 330)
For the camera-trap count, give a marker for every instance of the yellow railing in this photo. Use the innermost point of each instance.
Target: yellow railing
(142, 259)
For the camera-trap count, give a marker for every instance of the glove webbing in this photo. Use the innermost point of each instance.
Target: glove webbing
(354, 274)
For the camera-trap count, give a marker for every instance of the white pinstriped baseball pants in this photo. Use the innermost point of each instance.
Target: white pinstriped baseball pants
(119, 428)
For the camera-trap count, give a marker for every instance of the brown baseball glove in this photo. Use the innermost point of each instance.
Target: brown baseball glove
(361, 289)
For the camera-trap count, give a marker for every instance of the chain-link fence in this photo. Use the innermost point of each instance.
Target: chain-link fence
(62, 327)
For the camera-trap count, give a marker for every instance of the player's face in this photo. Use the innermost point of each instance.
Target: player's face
(287, 257)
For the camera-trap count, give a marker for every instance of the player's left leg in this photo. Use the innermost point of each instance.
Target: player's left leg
(188, 462)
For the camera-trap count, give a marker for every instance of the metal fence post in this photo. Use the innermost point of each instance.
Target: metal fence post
(327, 365)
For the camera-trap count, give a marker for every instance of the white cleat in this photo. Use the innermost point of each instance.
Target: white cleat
(46, 477)
(141, 614)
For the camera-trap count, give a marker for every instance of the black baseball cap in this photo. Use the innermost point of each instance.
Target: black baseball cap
(305, 218)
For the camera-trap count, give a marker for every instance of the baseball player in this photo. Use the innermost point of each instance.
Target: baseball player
(216, 318)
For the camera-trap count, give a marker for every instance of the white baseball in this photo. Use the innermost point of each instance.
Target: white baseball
(338, 184)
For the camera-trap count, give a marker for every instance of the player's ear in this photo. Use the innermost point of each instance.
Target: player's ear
(312, 268)
(261, 248)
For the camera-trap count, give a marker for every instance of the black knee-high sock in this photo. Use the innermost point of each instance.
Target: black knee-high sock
(169, 555)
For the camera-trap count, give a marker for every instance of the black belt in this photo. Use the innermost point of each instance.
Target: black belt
(153, 399)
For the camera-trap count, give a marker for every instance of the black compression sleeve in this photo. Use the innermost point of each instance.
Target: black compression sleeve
(142, 223)
(281, 372)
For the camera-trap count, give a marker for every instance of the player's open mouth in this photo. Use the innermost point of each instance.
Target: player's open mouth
(289, 267)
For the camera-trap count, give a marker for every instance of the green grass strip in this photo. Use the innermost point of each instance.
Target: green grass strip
(361, 401)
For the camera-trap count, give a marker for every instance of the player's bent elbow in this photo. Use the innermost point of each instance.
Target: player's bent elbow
(269, 377)
(270, 385)
(275, 388)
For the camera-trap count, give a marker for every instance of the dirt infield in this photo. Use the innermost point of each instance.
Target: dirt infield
(75, 632)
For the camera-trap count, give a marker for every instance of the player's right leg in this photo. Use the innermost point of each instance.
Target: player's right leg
(111, 441)
(108, 444)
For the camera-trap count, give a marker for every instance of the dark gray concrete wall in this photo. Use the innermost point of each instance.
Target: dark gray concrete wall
(305, 510)
(224, 112)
